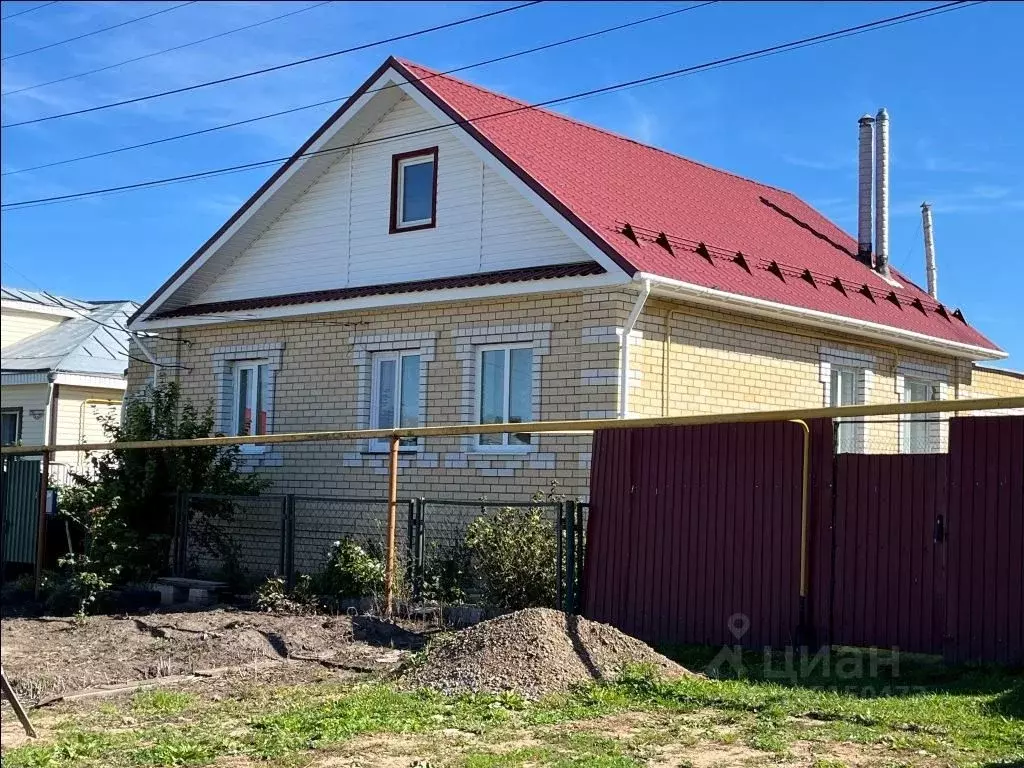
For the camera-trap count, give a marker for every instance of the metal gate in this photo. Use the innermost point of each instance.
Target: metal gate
(21, 509)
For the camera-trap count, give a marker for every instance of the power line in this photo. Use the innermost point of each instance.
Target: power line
(275, 68)
(165, 50)
(97, 31)
(27, 10)
(485, 62)
(727, 61)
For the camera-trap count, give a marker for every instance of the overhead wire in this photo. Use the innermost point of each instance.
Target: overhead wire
(151, 55)
(276, 67)
(87, 316)
(462, 68)
(97, 31)
(660, 77)
(27, 10)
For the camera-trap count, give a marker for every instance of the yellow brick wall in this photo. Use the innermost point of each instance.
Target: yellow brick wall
(992, 382)
(323, 382)
(688, 360)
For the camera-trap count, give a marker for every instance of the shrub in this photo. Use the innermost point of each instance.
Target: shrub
(78, 584)
(350, 571)
(447, 574)
(513, 555)
(273, 596)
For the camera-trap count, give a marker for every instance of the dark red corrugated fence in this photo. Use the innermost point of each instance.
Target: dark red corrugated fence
(694, 537)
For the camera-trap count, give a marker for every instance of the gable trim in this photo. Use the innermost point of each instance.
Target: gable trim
(373, 301)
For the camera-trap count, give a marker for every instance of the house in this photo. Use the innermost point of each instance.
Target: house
(436, 253)
(63, 370)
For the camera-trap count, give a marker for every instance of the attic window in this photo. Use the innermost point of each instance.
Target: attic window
(414, 190)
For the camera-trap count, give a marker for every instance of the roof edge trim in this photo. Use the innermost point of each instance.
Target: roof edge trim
(819, 319)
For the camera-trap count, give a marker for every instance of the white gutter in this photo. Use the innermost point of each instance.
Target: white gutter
(638, 306)
(813, 317)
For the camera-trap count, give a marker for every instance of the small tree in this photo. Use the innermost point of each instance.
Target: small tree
(126, 504)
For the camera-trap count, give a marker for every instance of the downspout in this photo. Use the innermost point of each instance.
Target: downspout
(50, 439)
(150, 358)
(638, 306)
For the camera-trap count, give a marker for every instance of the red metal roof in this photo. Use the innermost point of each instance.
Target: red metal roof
(602, 181)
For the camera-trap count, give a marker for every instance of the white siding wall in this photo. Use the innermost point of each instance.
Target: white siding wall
(17, 325)
(80, 419)
(28, 397)
(336, 234)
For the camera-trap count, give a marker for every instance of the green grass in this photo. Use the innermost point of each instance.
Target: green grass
(963, 717)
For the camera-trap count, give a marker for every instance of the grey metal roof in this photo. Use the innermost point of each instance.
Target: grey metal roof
(95, 344)
(42, 298)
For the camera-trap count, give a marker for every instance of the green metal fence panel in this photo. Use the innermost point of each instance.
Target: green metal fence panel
(21, 509)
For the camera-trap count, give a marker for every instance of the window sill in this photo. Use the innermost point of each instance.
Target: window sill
(514, 450)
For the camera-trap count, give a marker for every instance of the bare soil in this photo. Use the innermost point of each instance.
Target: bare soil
(44, 657)
(533, 652)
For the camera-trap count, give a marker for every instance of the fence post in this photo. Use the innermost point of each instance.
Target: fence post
(410, 548)
(181, 548)
(559, 569)
(421, 557)
(580, 555)
(288, 540)
(570, 556)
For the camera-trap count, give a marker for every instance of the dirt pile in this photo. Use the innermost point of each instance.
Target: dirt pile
(533, 652)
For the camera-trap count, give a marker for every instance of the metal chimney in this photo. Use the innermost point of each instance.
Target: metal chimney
(929, 250)
(865, 169)
(882, 192)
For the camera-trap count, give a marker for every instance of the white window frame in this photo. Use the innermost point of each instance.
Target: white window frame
(933, 428)
(504, 446)
(383, 445)
(253, 366)
(404, 163)
(858, 440)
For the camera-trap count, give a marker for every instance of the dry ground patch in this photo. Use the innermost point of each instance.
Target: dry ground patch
(329, 713)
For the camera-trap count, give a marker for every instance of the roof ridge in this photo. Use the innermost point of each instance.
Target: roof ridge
(583, 124)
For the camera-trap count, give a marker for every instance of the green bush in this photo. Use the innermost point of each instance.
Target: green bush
(350, 571)
(273, 596)
(513, 555)
(447, 574)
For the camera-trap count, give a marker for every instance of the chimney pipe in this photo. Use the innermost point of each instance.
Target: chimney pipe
(929, 250)
(865, 169)
(882, 192)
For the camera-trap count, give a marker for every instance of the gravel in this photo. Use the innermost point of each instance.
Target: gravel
(534, 652)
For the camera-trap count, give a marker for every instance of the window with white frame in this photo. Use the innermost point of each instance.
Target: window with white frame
(414, 190)
(10, 426)
(395, 395)
(845, 389)
(505, 393)
(249, 399)
(920, 432)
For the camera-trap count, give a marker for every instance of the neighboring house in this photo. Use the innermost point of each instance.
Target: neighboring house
(408, 266)
(63, 364)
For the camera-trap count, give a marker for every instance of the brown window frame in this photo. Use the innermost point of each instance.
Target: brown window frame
(396, 161)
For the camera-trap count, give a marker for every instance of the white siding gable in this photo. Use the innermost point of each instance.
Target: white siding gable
(335, 234)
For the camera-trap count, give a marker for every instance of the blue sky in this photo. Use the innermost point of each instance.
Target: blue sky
(950, 83)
